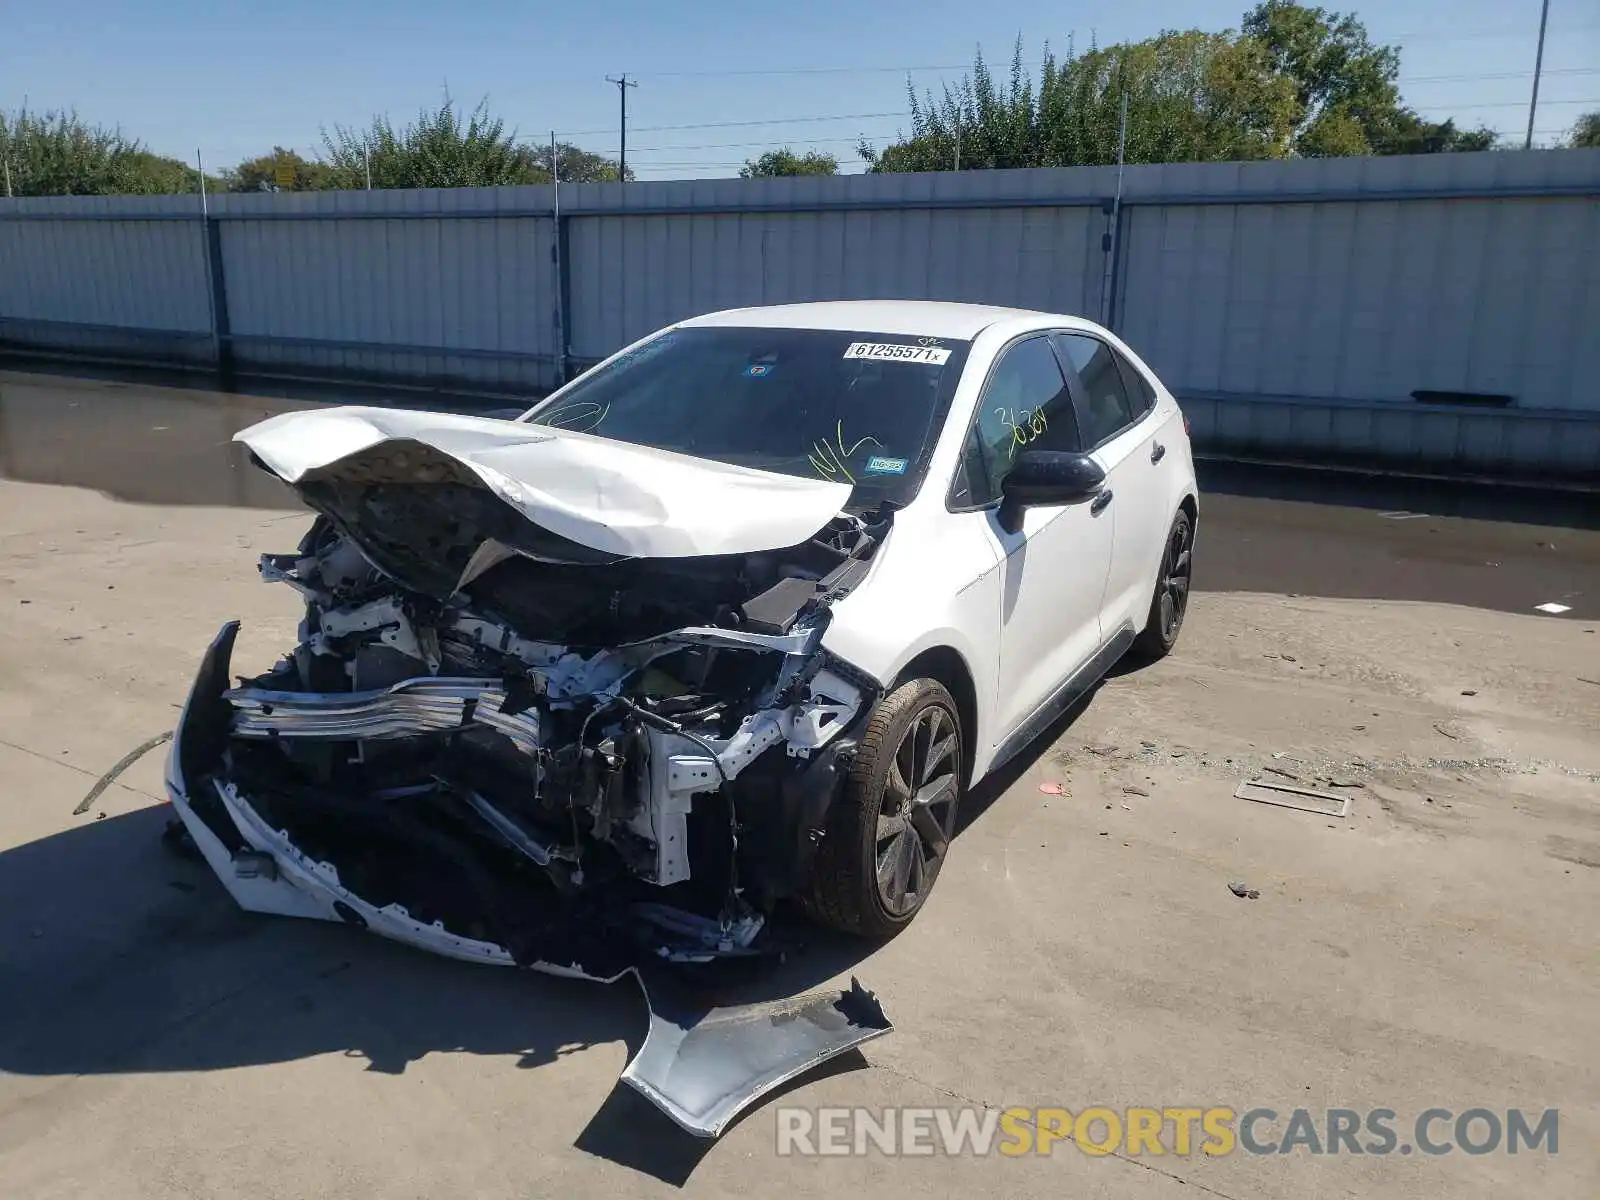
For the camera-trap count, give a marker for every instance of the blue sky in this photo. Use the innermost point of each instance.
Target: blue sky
(232, 78)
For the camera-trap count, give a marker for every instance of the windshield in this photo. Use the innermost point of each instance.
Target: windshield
(857, 408)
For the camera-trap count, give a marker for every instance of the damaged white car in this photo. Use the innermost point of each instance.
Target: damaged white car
(733, 619)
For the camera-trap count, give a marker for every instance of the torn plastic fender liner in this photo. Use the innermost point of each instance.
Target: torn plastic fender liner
(702, 1066)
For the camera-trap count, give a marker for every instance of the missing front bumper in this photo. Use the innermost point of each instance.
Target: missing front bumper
(701, 1064)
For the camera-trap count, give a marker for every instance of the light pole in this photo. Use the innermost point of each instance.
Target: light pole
(1538, 65)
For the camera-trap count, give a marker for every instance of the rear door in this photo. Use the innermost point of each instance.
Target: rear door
(1120, 429)
(1053, 568)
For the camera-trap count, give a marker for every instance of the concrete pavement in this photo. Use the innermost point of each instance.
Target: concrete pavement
(1438, 948)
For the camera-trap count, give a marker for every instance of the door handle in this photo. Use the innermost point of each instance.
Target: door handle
(1098, 504)
(1157, 452)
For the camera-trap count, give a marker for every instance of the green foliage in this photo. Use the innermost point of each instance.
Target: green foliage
(438, 150)
(1191, 95)
(578, 166)
(262, 174)
(786, 162)
(1586, 133)
(1347, 100)
(1294, 81)
(58, 153)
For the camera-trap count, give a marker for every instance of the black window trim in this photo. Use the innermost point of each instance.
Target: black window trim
(1075, 384)
(950, 504)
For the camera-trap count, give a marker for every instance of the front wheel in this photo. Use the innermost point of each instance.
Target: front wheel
(891, 826)
(1171, 598)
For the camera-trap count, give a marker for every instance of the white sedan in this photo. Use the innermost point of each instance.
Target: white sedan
(735, 618)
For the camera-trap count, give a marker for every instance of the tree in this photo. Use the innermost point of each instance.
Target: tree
(262, 174)
(1347, 100)
(1294, 80)
(578, 166)
(58, 153)
(438, 150)
(1586, 133)
(1191, 95)
(786, 162)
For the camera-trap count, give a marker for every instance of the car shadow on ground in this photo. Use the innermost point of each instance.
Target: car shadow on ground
(117, 957)
(982, 797)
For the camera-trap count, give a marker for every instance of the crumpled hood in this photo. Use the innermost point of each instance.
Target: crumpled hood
(610, 496)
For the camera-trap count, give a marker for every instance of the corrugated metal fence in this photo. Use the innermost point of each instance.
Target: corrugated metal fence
(1297, 307)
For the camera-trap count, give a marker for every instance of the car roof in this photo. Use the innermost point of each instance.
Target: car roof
(912, 318)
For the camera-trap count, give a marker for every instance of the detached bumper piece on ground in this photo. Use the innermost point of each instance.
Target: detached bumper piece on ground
(504, 745)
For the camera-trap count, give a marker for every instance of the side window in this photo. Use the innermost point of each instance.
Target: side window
(1139, 389)
(1106, 409)
(1025, 404)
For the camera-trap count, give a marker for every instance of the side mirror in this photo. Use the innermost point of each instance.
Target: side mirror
(1047, 477)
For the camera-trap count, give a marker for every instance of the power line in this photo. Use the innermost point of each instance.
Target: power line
(1482, 75)
(741, 124)
(731, 72)
(1524, 103)
(849, 139)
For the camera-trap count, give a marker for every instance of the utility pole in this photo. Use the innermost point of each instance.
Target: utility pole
(1109, 242)
(623, 84)
(1538, 66)
(958, 144)
(555, 258)
(6, 160)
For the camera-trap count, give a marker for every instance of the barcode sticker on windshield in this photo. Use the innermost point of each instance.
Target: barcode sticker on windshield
(893, 352)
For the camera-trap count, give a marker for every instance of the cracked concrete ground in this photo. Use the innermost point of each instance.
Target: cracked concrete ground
(1437, 948)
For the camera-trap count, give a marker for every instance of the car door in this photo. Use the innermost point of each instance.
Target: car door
(1054, 567)
(1122, 435)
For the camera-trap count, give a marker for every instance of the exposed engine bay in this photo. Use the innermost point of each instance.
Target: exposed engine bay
(503, 744)
(615, 730)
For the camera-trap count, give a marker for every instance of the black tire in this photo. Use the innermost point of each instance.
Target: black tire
(1170, 600)
(884, 846)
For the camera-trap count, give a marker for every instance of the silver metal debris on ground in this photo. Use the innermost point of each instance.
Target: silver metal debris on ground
(1243, 890)
(1262, 791)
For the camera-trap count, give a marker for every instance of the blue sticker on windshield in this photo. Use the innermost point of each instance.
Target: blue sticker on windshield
(757, 370)
(879, 465)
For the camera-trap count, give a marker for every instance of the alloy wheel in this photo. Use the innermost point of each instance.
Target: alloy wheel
(916, 816)
(1174, 595)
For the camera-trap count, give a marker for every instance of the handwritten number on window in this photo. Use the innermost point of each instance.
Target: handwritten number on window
(1025, 426)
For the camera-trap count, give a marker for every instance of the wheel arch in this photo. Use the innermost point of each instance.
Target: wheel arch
(949, 667)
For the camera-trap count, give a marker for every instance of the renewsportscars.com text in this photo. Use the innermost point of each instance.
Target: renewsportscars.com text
(1167, 1130)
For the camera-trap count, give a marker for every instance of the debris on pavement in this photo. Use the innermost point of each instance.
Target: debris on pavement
(1130, 790)
(1552, 608)
(1243, 891)
(121, 765)
(1262, 791)
(1052, 788)
(1469, 691)
(1452, 736)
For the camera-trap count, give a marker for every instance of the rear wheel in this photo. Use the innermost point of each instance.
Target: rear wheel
(891, 827)
(1171, 599)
